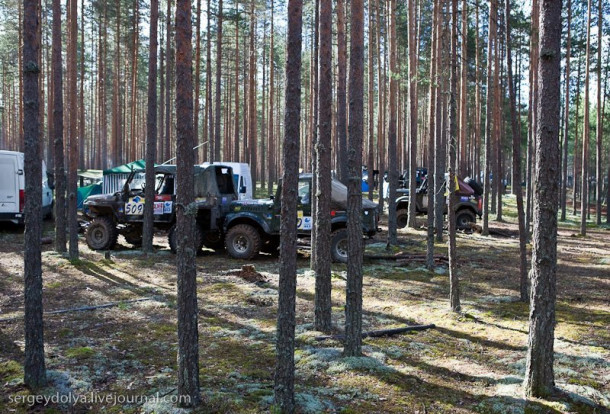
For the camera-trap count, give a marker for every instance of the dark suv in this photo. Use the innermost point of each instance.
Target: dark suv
(123, 212)
(468, 203)
(254, 225)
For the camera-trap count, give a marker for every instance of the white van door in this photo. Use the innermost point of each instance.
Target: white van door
(9, 185)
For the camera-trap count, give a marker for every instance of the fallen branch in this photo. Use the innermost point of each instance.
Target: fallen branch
(83, 308)
(381, 332)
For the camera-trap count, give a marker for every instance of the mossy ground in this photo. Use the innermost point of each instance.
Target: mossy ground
(473, 362)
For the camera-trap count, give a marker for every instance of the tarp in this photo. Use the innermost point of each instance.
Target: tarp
(338, 195)
(126, 168)
(83, 192)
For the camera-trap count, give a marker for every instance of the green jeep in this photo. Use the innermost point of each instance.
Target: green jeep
(253, 226)
(123, 212)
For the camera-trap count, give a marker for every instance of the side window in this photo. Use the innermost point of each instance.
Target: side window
(304, 192)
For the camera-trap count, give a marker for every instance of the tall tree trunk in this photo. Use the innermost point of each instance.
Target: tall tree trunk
(454, 290)
(413, 115)
(168, 81)
(134, 82)
(116, 116)
(252, 110)
(489, 113)
(271, 119)
(161, 115)
(477, 101)
(393, 162)
(188, 334)
(284, 368)
(516, 130)
(151, 131)
(342, 157)
(20, 109)
(208, 88)
(577, 157)
(432, 109)
(236, 153)
(381, 152)
(73, 138)
(81, 108)
(58, 133)
(323, 305)
(342, 152)
(353, 302)
(539, 377)
(219, 18)
(566, 120)
(200, 150)
(34, 364)
(533, 111)
(463, 129)
(584, 198)
(599, 179)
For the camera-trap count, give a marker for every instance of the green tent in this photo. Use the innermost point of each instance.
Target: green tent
(126, 168)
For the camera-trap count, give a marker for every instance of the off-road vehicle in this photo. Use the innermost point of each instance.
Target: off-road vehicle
(468, 204)
(253, 226)
(123, 212)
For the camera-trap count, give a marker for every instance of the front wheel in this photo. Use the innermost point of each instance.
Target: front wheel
(339, 245)
(402, 218)
(101, 234)
(213, 240)
(243, 242)
(463, 218)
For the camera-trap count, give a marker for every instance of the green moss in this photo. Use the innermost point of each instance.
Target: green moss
(587, 382)
(10, 370)
(54, 285)
(80, 353)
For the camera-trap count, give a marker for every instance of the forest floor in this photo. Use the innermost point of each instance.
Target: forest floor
(116, 359)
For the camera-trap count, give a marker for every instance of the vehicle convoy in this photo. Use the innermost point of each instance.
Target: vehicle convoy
(253, 226)
(12, 188)
(468, 203)
(123, 212)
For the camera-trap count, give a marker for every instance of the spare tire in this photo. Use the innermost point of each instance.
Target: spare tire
(478, 188)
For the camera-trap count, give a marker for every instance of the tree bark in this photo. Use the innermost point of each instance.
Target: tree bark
(599, 179)
(566, 120)
(200, 150)
(489, 113)
(539, 377)
(413, 116)
(188, 334)
(73, 138)
(151, 131)
(284, 369)
(34, 364)
(392, 136)
(584, 186)
(342, 153)
(353, 302)
(216, 144)
(252, 110)
(454, 281)
(58, 133)
(516, 130)
(432, 109)
(323, 305)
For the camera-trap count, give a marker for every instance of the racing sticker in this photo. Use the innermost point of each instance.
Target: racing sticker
(303, 222)
(167, 207)
(135, 206)
(158, 207)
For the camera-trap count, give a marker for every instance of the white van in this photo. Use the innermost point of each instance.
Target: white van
(242, 178)
(12, 188)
